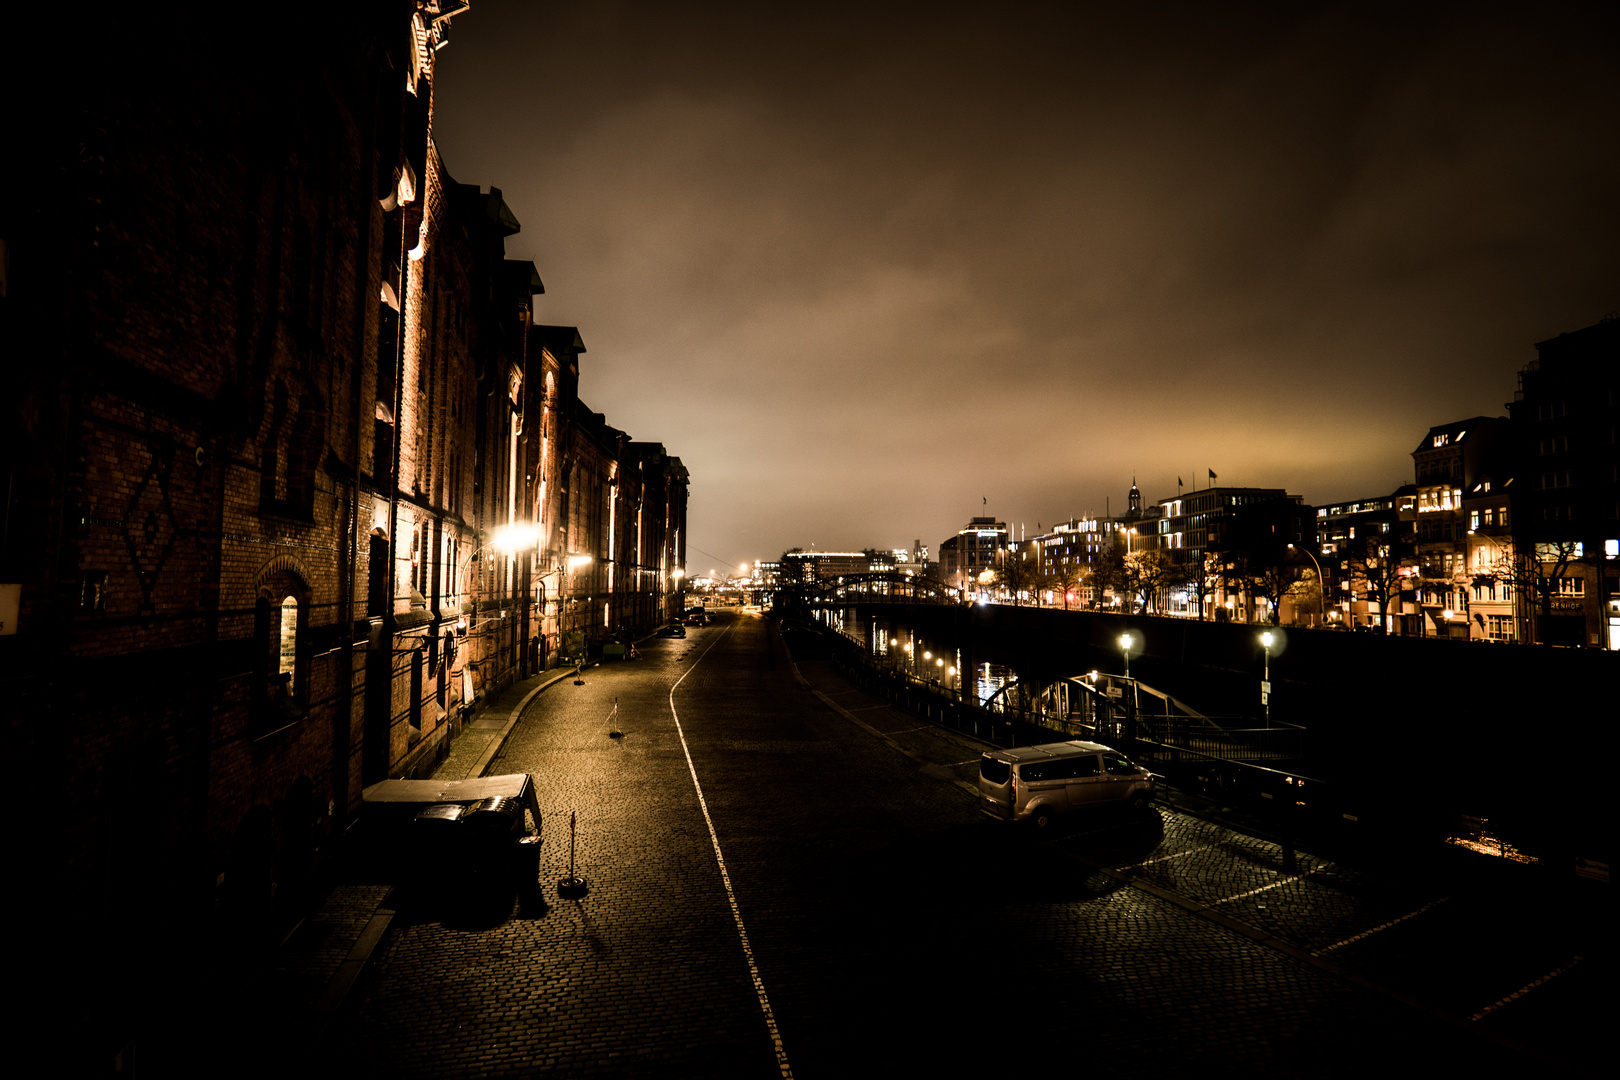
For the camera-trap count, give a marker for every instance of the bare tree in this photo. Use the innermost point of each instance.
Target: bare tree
(1145, 574)
(1308, 596)
(1374, 564)
(1537, 573)
(1020, 571)
(1069, 580)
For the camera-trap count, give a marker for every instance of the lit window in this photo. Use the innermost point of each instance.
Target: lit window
(289, 640)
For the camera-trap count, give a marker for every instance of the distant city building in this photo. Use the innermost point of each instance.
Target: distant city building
(1566, 501)
(1356, 542)
(1494, 598)
(1450, 460)
(811, 566)
(974, 549)
(1225, 544)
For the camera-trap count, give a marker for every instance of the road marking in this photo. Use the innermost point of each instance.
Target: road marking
(1166, 858)
(725, 875)
(1261, 889)
(1523, 990)
(1374, 930)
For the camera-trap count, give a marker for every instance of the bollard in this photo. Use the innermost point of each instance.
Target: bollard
(573, 886)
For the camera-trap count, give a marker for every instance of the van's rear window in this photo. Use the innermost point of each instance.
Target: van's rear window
(994, 771)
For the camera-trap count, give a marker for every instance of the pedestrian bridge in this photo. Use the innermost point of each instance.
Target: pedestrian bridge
(892, 586)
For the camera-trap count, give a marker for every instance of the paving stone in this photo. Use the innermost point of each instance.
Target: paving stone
(894, 929)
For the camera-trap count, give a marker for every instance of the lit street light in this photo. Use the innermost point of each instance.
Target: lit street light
(1125, 641)
(1267, 639)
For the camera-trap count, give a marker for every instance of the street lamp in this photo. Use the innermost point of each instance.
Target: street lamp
(1267, 640)
(509, 540)
(1125, 642)
(1321, 580)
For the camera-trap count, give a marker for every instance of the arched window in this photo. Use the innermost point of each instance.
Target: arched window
(289, 642)
(281, 643)
(377, 574)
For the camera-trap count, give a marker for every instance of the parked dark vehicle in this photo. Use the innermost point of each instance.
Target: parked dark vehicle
(673, 629)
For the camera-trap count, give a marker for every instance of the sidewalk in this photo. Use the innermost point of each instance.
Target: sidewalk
(323, 958)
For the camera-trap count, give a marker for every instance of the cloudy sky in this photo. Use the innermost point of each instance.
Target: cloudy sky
(863, 267)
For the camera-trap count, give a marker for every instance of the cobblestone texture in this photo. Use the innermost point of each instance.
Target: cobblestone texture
(897, 931)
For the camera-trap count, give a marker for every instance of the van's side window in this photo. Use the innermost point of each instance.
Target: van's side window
(1065, 768)
(1118, 766)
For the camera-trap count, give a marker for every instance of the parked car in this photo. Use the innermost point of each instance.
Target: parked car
(672, 629)
(1042, 783)
(697, 617)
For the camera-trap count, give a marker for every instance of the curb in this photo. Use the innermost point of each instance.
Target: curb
(512, 719)
(358, 958)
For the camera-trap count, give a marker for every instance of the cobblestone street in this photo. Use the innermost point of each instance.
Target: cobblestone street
(870, 921)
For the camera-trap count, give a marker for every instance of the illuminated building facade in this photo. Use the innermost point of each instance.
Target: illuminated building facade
(1221, 541)
(1450, 460)
(974, 549)
(284, 410)
(1363, 546)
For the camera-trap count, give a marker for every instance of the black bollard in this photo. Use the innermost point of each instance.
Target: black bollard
(573, 886)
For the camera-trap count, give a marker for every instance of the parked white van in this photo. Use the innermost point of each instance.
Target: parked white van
(1041, 783)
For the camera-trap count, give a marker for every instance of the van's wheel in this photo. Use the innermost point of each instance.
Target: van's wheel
(1043, 817)
(1139, 803)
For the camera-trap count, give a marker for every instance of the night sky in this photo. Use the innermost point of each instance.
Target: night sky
(862, 267)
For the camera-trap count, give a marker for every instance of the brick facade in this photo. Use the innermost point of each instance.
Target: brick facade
(274, 391)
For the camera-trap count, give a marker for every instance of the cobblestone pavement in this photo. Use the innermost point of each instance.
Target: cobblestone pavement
(871, 922)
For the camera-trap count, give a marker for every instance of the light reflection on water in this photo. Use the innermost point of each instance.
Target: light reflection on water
(989, 678)
(1475, 834)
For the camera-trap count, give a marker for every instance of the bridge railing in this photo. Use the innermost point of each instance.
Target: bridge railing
(1259, 765)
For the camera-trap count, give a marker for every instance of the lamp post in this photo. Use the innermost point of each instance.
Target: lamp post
(1267, 639)
(1321, 580)
(1126, 642)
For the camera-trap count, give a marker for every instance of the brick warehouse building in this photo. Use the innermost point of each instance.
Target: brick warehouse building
(274, 391)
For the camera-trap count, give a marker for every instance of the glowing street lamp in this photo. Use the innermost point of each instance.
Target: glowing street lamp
(1267, 640)
(1125, 643)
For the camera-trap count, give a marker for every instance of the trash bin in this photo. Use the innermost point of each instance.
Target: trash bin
(499, 815)
(490, 826)
(526, 861)
(437, 843)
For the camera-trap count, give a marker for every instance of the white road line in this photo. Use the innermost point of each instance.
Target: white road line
(725, 877)
(1261, 889)
(1166, 858)
(1384, 926)
(1523, 990)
